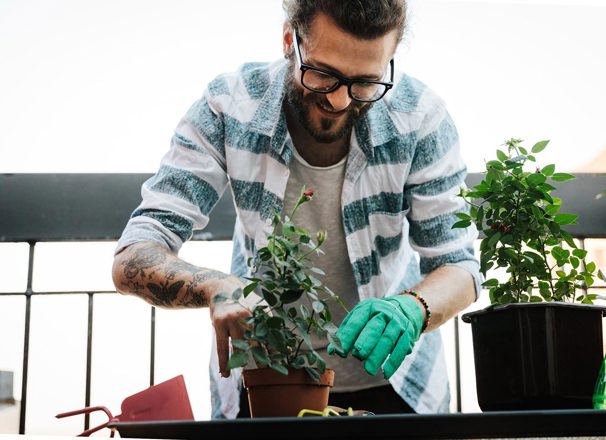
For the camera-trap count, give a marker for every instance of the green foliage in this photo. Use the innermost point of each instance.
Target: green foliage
(523, 231)
(278, 333)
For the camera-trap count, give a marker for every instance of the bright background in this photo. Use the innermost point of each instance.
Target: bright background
(98, 86)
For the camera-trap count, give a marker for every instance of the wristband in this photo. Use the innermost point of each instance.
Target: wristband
(424, 303)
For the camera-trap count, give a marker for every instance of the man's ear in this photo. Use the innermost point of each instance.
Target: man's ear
(287, 39)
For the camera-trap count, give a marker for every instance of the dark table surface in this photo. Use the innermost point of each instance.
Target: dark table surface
(505, 424)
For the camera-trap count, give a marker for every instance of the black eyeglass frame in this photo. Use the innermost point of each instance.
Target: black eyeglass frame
(341, 80)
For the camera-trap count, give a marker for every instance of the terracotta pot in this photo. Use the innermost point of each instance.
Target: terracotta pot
(272, 394)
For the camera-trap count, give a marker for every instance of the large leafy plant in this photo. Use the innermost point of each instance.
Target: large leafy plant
(523, 231)
(292, 303)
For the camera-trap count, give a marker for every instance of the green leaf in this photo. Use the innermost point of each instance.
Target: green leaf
(318, 306)
(566, 219)
(536, 179)
(568, 238)
(463, 215)
(313, 373)
(237, 359)
(291, 296)
(502, 156)
(548, 170)
(240, 344)
(298, 361)
(495, 164)
(539, 146)
(269, 297)
(493, 282)
(492, 241)
(461, 224)
(260, 330)
(249, 288)
(316, 282)
(562, 177)
(275, 322)
(260, 356)
(552, 209)
(280, 369)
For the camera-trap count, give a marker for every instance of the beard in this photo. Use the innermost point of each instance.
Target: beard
(326, 130)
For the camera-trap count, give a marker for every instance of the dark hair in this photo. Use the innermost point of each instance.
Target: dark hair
(367, 19)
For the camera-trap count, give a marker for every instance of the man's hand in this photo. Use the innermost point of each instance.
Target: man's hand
(227, 319)
(381, 331)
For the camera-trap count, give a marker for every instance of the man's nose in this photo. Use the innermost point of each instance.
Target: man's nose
(339, 99)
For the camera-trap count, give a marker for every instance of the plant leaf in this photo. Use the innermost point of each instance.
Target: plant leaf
(548, 170)
(562, 177)
(566, 219)
(539, 146)
(237, 359)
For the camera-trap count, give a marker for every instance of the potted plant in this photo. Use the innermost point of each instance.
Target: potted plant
(290, 305)
(538, 345)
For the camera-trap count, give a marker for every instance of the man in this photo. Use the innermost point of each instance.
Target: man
(382, 155)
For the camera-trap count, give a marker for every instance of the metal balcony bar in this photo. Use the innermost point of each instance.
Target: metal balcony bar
(53, 208)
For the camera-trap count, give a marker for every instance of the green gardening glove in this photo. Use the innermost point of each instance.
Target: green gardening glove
(381, 331)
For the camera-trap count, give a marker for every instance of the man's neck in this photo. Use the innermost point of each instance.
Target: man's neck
(315, 153)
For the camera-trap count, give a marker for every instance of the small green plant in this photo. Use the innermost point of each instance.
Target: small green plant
(292, 303)
(523, 231)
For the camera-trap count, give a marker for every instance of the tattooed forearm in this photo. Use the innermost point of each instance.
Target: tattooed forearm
(194, 293)
(155, 274)
(145, 258)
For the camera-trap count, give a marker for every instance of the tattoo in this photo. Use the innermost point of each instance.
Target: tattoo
(166, 293)
(145, 258)
(148, 265)
(194, 294)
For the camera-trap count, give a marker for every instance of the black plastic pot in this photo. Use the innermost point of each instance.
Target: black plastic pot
(543, 355)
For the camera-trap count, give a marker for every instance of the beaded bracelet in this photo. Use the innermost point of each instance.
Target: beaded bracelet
(427, 312)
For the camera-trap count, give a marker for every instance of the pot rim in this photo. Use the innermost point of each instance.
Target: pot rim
(253, 377)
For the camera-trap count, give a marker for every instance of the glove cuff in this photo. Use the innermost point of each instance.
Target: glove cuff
(409, 306)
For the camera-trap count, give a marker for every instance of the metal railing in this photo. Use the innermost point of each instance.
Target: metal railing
(59, 207)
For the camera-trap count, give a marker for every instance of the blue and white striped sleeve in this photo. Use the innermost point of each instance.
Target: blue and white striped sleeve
(436, 176)
(179, 197)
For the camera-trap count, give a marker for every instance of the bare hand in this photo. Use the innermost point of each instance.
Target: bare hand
(227, 318)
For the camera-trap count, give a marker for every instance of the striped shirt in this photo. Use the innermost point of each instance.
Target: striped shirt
(399, 199)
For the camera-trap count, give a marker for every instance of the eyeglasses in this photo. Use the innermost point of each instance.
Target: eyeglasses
(324, 81)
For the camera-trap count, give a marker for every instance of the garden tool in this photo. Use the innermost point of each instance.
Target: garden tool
(164, 401)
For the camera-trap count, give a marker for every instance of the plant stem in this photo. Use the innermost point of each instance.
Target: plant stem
(309, 321)
(549, 269)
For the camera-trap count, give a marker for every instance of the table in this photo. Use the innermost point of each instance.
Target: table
(498, 424)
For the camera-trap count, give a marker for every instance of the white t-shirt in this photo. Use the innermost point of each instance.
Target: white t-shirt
(323, 212)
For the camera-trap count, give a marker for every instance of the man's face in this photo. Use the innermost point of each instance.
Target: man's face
(328, 117)
(316, 114)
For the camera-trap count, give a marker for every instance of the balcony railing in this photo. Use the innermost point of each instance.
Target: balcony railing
(38, 208)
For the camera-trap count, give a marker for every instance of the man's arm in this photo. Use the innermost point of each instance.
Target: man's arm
(157, 275)
(447, 291)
